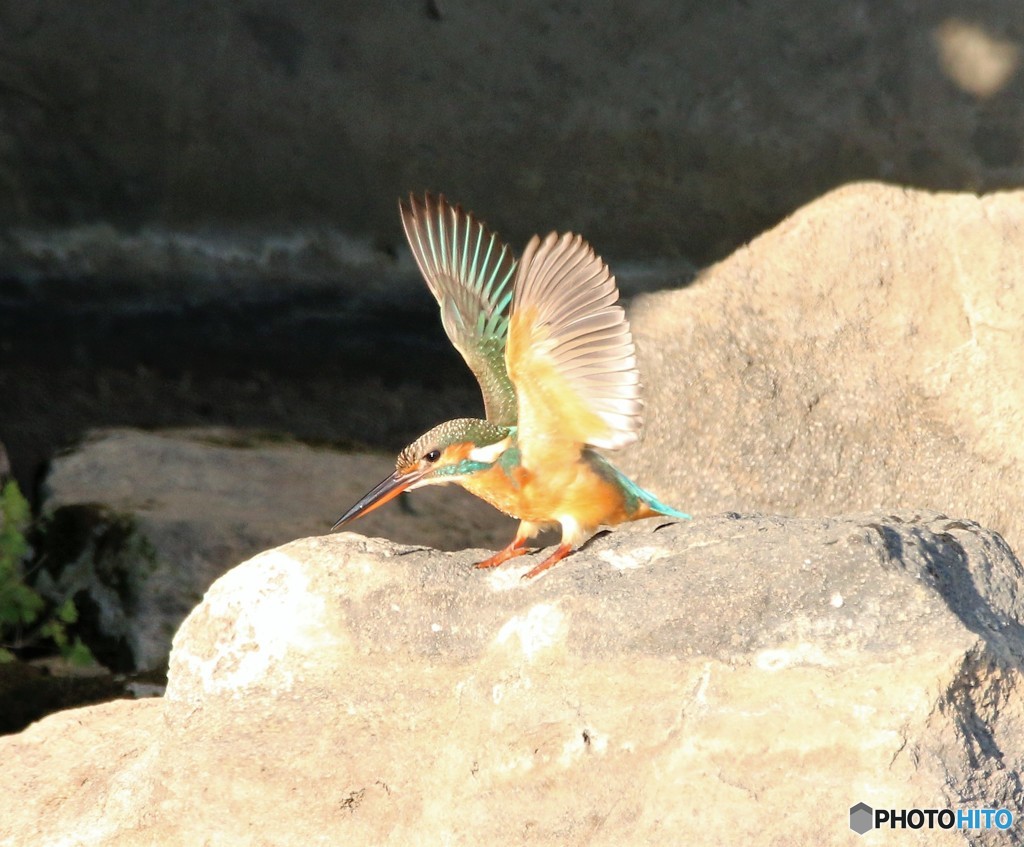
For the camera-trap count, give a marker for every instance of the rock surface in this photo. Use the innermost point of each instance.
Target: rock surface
(864, 354)
(739, 679)
(691, 126)
(140, 524)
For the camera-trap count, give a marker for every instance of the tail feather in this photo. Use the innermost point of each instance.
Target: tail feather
(648, 505)
(651, 506)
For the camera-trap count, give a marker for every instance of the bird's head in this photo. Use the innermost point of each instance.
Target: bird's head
(450, 452)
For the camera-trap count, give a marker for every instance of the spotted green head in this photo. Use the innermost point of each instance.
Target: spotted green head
(448, 453)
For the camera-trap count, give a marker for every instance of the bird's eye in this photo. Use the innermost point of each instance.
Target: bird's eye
(432, 456)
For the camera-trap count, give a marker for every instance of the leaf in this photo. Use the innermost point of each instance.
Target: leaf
(66, 611)
(78, 654)
(14, 507)
(55, 630)
(19, 604)
(13, 546)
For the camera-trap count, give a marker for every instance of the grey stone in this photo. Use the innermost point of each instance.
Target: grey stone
(740, 676)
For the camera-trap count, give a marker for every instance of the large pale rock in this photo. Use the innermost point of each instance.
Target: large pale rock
(864, 354)
(141, 524)
(741, 680)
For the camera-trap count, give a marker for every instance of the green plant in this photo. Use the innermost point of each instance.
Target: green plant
(23, 612)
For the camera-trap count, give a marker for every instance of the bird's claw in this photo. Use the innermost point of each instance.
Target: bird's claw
(502, 556)
(561, 551)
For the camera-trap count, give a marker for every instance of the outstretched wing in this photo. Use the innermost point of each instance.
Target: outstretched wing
(570, 353)
(470, 273)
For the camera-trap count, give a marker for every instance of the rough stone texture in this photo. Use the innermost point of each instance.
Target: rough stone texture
(745, 679)
(143, 523)
(679, 128)
(864, 354)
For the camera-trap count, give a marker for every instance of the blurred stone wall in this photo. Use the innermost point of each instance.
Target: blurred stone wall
(666, 129)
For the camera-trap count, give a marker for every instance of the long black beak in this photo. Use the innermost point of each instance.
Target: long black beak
(380, 494)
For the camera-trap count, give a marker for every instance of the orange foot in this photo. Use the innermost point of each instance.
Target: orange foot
(561, 551)
(515, 548)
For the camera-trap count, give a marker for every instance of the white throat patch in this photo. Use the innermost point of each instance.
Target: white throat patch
(489, 454)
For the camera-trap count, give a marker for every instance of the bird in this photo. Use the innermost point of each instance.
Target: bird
(554, 355)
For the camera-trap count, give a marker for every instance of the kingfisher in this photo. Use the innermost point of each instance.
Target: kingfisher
(555, 359)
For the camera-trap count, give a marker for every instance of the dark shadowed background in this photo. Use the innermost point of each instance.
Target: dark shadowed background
(198, 199)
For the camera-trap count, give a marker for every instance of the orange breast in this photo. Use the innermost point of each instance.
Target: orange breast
(540, 497)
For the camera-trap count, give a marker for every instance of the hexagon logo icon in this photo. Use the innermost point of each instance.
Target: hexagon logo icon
(862, 818)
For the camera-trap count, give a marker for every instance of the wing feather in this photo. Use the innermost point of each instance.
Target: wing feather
(570, 352)
(470, 273)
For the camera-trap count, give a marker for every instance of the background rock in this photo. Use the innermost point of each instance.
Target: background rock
(200, 226)
(355, 359)
(139, 525)
(749, 677)
(684, 129)
(864, 354)
(30, 691)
